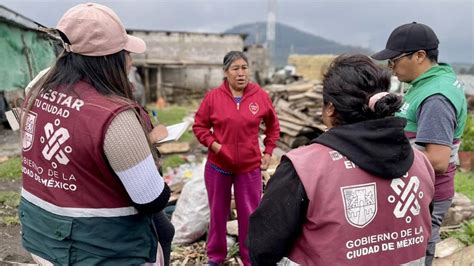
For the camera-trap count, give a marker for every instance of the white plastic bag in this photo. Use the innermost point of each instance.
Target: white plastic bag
(191, 216)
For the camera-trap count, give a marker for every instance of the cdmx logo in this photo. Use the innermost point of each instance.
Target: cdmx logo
(406, 198)
(53, 141)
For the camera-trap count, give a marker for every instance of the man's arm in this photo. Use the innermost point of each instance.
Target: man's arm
(439, 157)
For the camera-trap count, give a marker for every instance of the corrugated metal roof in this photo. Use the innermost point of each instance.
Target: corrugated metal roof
(242, 35)
(14, 17)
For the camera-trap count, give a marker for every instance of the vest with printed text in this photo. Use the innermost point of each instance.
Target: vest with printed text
(68, 181)
(356, 218)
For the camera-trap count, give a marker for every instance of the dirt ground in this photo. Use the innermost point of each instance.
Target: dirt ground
(10, 248)
(10, 244)
(10, 241)
(12, 253)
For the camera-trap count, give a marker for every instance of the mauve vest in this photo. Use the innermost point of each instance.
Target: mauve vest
(357, 218)
(63, 158)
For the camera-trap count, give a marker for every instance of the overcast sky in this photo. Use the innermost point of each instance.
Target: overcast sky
(366, 23)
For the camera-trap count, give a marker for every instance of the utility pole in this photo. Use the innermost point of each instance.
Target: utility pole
(271, 21)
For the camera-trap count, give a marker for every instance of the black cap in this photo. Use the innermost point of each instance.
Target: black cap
(408, 38)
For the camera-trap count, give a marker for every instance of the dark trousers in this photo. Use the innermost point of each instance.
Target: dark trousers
(440, 208)
(165, 231)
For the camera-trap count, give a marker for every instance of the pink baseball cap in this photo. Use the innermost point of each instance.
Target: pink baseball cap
(95, 30)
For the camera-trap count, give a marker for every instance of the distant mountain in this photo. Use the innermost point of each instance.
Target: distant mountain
(294, 41)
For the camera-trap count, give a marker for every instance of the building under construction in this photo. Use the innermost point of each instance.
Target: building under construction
(178, 64)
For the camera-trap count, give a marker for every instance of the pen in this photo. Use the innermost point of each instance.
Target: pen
(155, 117)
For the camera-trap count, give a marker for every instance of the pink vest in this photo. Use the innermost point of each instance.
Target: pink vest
(63, 158)
(357, 218)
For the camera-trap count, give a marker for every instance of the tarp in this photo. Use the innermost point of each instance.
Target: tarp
(23, 53)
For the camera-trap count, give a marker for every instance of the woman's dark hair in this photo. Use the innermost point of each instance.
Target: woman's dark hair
(349, 83)
(231, 56)
(107, 74)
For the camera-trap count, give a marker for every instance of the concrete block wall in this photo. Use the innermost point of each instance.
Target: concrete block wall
(186, 47)
(194, 78)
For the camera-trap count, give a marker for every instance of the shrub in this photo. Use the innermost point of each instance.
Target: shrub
(467, 143)
(466, 233)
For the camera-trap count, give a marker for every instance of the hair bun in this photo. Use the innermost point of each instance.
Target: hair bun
(374, 98)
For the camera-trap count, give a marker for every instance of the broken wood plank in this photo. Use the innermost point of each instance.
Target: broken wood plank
(289, 131)
(290, 125)
(174, 147)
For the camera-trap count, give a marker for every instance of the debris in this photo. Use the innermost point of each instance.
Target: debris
(193, 254)
(160, 103)
(191, 216)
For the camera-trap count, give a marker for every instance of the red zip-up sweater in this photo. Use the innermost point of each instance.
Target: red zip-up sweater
(236, 127)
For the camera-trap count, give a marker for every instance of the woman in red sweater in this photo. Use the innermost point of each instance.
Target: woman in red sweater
(228, 122)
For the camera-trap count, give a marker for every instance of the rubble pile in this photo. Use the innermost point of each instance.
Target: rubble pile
(298, 106)
(193, 254)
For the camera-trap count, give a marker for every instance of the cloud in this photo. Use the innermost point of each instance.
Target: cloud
(363, 23)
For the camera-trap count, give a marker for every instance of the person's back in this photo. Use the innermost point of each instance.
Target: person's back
(66, 174)
(358, 194)
(359, 218)
(90, 183)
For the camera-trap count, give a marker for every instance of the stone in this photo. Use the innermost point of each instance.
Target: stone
(462, 257)
(232, 228)
(447, 247)
(461, 209)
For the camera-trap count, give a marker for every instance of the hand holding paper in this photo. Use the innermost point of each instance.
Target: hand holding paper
(175, 131)
(158, 133)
